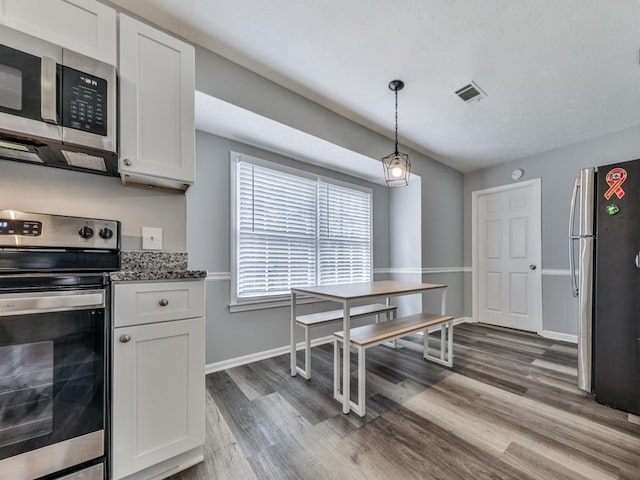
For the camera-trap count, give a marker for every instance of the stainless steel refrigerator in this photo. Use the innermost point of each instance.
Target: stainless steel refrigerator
(605, 226)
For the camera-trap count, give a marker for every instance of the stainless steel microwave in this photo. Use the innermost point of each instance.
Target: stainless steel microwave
(57, 107)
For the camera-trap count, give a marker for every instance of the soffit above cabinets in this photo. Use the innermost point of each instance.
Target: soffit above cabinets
(230, 121)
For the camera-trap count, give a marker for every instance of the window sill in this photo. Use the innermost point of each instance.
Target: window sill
(263, 304)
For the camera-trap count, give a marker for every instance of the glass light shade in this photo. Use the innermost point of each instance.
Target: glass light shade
(397, 169)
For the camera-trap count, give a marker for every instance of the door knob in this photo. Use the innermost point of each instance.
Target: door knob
(124, 338)
(127, 162)
(532, 267)
(164, 302)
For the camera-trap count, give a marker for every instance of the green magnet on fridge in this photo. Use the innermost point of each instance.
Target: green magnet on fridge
(612, 209)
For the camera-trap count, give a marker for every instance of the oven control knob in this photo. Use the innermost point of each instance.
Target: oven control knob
(85, 232)
(105, 233)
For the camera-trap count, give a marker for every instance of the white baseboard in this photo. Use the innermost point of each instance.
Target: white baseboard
(255, 357)
(274, 352)
(565, 337)
(463, 320)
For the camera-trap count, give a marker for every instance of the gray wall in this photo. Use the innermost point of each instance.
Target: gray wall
(404, 253)
(440, 207)
(557, 169)
(34, 188)
(231, 335)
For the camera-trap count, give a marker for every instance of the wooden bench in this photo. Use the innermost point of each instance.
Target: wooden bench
(323, 318)
(369, 336)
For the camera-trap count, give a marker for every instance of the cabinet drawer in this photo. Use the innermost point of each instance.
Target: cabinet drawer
(141, 303)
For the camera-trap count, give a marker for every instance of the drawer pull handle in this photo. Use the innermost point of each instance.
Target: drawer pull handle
(164, 302)
(124, 338)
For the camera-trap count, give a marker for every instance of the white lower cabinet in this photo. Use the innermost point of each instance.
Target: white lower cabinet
(158, 392)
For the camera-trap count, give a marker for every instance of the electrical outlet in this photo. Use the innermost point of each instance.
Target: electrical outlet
(151, 238)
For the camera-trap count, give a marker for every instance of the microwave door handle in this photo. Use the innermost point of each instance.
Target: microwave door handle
(48, 83)
(573, 238)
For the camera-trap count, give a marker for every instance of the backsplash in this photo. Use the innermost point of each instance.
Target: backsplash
(137, 261)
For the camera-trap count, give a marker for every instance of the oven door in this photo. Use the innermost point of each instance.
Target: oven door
(28, 86)
(52, 381)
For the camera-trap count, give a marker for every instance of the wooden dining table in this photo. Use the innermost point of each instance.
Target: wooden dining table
(347, 295)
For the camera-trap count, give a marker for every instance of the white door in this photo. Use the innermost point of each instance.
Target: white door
(158, 400)
(508, 253)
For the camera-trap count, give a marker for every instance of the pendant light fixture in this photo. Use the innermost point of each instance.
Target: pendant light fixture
(397, 167)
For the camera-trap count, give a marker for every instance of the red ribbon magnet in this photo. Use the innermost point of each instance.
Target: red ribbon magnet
(615, 178)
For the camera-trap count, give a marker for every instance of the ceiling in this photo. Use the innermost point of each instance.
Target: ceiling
(556, 72)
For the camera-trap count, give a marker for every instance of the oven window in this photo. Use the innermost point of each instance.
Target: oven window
(26, 392)
(52, 374)
(10, 87)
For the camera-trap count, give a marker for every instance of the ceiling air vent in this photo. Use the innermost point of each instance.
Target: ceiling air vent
(471, 93)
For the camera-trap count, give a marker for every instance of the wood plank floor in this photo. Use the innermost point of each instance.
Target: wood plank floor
(508, 409)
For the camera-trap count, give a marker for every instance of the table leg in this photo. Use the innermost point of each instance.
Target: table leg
(443, 327)
(443, 308)
(346, 358)
(293, 334)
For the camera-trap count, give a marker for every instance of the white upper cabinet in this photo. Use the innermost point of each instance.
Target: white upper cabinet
(157, 126)
(86, 26)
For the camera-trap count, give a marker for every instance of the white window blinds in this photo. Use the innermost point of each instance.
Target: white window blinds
(344, 235)
(276, 231)
(297, 231)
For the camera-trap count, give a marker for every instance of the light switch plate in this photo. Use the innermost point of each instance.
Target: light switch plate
(151, 238)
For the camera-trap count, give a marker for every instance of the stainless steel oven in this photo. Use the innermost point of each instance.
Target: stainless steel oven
(54, 346)
(57, 107)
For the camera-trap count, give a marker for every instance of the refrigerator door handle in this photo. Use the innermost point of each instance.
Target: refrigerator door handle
(572, 238)
(638, 260)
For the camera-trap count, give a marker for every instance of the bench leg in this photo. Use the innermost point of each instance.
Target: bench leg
(306, 372)
(338, 347)
(446, 345)
(336, 370)
(390, 315)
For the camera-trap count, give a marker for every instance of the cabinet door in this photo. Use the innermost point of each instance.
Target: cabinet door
(86, 26)
(157, 88)
(158, 393)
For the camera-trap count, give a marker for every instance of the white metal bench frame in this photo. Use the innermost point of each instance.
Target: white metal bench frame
(388, 309)
(445, 358)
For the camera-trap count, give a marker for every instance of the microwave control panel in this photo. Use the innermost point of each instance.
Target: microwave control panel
(84, 101)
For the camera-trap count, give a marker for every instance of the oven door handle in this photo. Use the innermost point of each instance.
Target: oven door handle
(43, 302)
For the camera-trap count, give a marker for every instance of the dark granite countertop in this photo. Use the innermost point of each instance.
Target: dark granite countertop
(135, 275)
(136, 266)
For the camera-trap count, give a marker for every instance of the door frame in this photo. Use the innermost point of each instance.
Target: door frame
(536, 183)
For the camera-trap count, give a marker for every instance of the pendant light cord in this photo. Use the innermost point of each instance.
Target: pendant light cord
(396, 92)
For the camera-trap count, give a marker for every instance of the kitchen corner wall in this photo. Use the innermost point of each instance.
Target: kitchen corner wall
(557, 169)
(33, 188)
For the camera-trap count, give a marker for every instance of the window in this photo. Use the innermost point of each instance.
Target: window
(296, 229)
